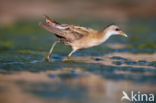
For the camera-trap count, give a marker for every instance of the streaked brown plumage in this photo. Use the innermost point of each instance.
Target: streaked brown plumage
(78, 37)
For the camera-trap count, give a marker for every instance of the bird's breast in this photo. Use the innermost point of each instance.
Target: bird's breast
(86, 43)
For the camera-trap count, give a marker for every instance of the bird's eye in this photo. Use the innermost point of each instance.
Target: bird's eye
(117, 29)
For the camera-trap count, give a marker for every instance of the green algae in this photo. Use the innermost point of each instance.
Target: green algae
(28, 51)
(6, 45)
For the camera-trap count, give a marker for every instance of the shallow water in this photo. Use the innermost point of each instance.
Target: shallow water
(94, 75)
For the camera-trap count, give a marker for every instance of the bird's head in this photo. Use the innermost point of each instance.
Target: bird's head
(114, 30)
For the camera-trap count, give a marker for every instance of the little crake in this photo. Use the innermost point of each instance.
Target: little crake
(78, 37)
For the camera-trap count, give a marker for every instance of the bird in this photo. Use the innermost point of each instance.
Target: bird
(78, 37)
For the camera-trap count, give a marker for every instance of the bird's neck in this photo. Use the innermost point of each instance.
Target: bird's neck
(105, 35)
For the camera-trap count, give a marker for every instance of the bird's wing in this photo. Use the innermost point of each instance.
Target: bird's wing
(68, 32)
(82, 30)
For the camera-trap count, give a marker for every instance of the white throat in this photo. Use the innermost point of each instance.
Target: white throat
(106, 36)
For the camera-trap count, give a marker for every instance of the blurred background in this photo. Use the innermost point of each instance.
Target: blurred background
(12, 11)
(93, 75)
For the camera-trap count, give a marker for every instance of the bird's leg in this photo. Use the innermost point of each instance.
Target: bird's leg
(47, 58)
(71, 53)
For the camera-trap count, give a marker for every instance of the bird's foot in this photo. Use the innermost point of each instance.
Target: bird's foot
(68, 57)
(47, 58)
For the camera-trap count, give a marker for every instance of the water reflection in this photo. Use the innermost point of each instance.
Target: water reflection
(88, 79)
(68, 85)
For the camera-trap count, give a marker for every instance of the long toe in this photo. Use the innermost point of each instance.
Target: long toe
(68, 57)
(47, 58)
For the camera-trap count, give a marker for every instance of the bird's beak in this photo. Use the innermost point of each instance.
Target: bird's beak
(123, 34)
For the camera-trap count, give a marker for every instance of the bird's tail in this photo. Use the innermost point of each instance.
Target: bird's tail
(50, 20)
(50, 25)
(50, 28)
